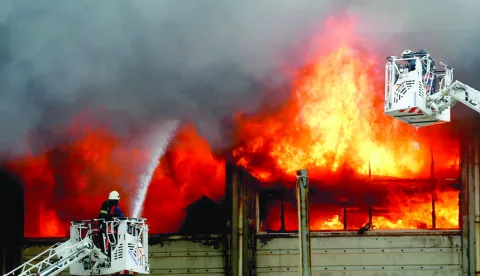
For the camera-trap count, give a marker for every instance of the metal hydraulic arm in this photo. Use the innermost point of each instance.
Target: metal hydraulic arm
(457, 91)
(58, 258)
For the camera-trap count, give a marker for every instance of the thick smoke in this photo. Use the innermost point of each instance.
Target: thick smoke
(449, 30)
(142, 60)
(195, 60)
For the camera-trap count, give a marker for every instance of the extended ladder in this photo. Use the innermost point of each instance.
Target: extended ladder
(127, 252)
(58, 258)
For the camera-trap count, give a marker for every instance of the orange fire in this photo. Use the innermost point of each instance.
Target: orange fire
(420, 216)
(70, 182)
(333, 223)
(67, 182)
(403, 212)
(187, 171)
(332, 124)
(334, 118)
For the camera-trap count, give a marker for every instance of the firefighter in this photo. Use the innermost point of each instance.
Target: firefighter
(109, 211)
(110, 207)
(429, 77)
(425, 58)
(411, 62)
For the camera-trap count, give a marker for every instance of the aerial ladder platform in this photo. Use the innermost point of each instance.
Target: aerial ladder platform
(419, 94)
(95, 247)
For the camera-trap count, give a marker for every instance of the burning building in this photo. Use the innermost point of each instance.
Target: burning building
(410, 185)
(364, 169)
(358, 160)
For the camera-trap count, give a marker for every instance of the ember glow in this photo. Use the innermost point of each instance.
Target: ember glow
(332, 124)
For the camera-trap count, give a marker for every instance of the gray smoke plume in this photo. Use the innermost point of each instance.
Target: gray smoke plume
(142, 60)
(449, 30)
(196, 60)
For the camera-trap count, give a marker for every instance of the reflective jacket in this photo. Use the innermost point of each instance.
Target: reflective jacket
(110, 210)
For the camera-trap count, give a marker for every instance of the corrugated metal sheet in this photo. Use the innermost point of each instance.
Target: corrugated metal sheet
(177, 255)
(183, 256)
(364, 255)
(386, 254)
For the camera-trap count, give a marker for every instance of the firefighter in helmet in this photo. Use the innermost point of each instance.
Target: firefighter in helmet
(410, 63)
(110, 207)
(109, 211)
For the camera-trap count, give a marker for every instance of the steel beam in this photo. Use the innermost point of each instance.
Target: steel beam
(471, 208)
(241, 195)
(236, 218)
(303, 223)
(463, 205)
(476, 183)
(467, 206)
(257, 213)
(434, 190)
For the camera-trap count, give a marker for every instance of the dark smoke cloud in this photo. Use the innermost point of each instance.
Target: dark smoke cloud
(195, 60)
(142, 60)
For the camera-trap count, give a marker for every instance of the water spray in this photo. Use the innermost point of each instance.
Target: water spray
(160, 142)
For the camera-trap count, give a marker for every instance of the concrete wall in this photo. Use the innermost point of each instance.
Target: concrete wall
(385, 254)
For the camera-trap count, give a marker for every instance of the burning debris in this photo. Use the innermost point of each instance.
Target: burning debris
(365, 228)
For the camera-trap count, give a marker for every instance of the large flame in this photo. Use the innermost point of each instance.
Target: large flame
(70, 182)
(421, 215)
(334, 118)
(186, 172)
(332, 124)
